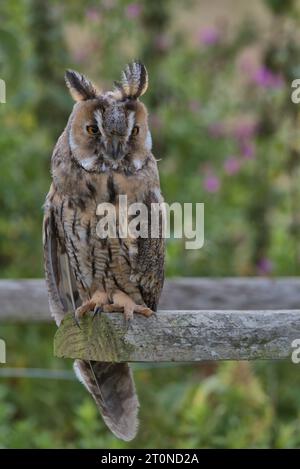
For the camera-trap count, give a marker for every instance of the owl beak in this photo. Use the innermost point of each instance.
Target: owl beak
(114, 148)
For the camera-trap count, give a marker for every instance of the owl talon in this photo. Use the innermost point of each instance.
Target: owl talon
(128, 314)
(140, 309)
(81, 311)
(122, 302)
(76, 321)
(128, 323)
(95, 304)
(112, 308)
(97, 310)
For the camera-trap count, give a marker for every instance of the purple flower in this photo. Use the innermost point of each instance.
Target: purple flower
(244, 130)
(133, 10)
(209, 36)
(264, 266)
(247, 150)
(211, 183)
(216, 130)
(266, 78)
(232, 165)
(93, 14)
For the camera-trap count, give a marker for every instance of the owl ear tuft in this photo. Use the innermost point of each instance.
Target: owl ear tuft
(134, 81)
(81, 88)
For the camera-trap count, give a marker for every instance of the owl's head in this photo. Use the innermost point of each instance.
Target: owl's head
(106, 129)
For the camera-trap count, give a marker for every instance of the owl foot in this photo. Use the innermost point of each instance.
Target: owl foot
(95, 304)
(123, 303)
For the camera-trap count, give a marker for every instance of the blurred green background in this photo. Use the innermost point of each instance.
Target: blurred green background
(227, 134)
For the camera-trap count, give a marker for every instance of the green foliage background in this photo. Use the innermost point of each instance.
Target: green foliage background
(227, 134)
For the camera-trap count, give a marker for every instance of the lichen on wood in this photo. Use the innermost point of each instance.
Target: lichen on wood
(181, 336)
(94, 337)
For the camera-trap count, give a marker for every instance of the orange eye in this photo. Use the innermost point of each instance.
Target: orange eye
(135, 130)
(92, 129)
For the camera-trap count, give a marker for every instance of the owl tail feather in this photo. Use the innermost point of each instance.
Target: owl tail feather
(113, 389)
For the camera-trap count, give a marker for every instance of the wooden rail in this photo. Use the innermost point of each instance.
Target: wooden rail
(199, 319)
(181, 336)
(26, 300)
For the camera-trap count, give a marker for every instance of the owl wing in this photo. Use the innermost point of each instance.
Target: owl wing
(150, 259)
(62, 291)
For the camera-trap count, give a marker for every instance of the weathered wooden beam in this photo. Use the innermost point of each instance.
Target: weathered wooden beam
(181, 336)
(26, 300)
